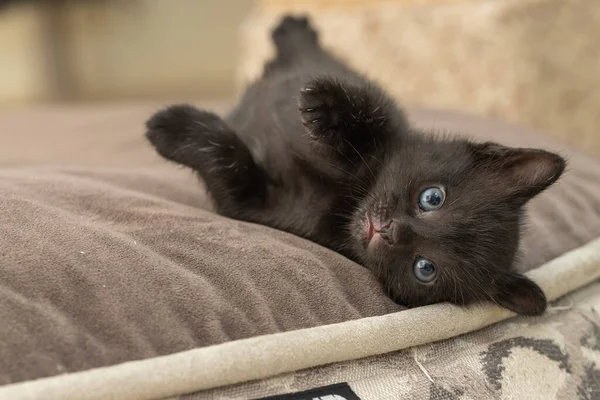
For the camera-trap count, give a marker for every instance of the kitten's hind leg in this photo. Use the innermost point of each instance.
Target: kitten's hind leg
(294, 35)
(295, 40)
(297, 48)
(203, 142)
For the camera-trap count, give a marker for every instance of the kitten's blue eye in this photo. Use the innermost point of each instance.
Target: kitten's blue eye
(424, 270)
(432, 199)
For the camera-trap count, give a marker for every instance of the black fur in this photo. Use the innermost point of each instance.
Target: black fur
(317, 150)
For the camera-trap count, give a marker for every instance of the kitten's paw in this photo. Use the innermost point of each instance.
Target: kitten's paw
(175, 126)
(334, 108)
(322, 106)
(292, 32)
(187, 135)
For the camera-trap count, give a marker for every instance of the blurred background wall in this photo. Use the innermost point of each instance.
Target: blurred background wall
(62, 50)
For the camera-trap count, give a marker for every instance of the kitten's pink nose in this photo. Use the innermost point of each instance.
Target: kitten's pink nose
(380, 226)
(397, 232)
(387, 232)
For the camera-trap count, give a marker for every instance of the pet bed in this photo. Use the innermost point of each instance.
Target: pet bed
(118, 282)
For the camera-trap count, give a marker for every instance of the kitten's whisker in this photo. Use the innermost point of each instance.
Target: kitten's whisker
(473, 281)
(335, 150)
(458, 283)
(362, 185)
(362, 158)
(375, 158)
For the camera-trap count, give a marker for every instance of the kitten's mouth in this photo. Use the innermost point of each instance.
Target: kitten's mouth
(370, 229)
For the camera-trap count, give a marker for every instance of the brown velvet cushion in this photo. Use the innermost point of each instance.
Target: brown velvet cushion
(109, 254)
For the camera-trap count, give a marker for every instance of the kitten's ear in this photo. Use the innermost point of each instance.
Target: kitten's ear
(521, 172)
(521, 295)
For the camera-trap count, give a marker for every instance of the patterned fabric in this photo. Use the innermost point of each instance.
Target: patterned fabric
(553, 357)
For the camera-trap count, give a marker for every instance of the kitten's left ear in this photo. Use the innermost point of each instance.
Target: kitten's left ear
(521, 295)
(521, 172)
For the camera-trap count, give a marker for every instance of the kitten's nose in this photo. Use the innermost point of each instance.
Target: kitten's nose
(396, 232)
(387, 232)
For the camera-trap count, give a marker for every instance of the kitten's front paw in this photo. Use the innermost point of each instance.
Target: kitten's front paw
(319, 106)
(344, 113)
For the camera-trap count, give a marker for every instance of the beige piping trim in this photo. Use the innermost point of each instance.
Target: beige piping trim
(265, 356)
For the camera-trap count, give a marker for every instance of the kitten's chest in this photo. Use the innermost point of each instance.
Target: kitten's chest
(312, 210)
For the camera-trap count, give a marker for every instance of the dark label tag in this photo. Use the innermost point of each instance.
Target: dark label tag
(339, 391)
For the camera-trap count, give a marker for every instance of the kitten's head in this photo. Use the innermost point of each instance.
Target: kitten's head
(443, 220)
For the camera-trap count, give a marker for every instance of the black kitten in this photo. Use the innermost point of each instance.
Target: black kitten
(317, 150)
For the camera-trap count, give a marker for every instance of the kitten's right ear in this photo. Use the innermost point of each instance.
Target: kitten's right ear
(520, 294)
(520, 172)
